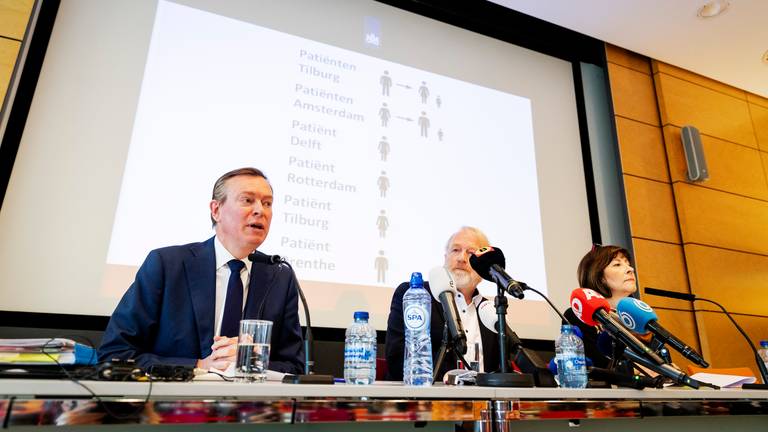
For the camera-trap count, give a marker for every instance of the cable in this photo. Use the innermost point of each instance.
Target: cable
(93, 394)
(527, 288)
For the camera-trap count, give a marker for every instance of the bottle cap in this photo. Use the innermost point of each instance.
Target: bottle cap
(567, 328)
(417, 281)
(363, 315)
(764, 344)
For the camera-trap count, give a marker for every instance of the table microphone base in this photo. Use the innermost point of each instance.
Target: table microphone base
(754, 387)
(308, 379)
(499, 379)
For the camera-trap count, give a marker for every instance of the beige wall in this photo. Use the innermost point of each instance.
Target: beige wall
(708, 239)
(14, 15)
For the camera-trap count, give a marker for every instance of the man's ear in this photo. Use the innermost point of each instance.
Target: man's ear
(215, 206)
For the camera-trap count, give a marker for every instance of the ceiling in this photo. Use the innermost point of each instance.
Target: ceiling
(728, 48)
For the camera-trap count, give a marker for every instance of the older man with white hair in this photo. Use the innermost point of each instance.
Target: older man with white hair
(482, 343)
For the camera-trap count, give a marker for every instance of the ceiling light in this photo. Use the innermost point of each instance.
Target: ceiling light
(713, 8)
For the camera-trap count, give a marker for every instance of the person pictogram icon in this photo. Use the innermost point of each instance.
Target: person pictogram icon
(381, 264)
(384, 148)
(386, 83)
(383, 223)
(383, 183)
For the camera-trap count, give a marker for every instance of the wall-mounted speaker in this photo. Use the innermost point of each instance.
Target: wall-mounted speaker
(694, 154)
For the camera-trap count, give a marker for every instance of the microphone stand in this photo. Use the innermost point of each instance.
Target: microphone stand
(445, 347)
(309, 377)
(658, 346)
(309, 361)
(667, 371)
(691, 297)
(503, 378)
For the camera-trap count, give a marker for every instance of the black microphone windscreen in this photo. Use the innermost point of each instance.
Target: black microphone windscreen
(485, 257)
(262, 258)
(669, 294)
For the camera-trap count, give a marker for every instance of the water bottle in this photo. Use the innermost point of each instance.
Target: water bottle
(417, 307)
(360, 351)
(569, 355)
(763, 351)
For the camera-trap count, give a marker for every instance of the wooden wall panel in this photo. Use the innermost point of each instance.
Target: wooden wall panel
(732, 168)
(764, 156)
(684, 325)
(651, 209)
(757, 100)
(733, 279)
(628, 59)
(721, 222)
(723, 345)
(698, 79)
(722, 219)
(9, 50)
(760, 123)
(715, 114)
(661, 265)
(14, 15)
(633, 94)
(641, 148)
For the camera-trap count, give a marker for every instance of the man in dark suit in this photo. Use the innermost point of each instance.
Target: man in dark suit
(460, 245)
(186, 302)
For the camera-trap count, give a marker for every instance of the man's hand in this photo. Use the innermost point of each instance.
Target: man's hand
(224, 353)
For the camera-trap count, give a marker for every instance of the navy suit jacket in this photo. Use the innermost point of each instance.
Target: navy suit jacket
(167, 315)
(395, 343)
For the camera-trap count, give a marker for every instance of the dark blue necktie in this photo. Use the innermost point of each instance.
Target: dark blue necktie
(233, 308)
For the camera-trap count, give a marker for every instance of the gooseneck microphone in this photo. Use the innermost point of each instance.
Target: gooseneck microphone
(592, 308)
(690, 297)
(261, 257)
(639, 317)
(444, 290)
(489, 263)
(669, 294)
(258, 257)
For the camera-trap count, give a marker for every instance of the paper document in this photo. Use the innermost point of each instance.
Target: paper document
(723, 380)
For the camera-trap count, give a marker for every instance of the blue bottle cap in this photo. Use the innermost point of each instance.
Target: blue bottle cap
(764, 344)
(361, 315)
(417, 280)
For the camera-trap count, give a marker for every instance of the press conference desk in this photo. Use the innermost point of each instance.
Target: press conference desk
(384, 406)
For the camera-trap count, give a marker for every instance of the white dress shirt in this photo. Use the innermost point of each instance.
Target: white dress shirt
(471, 324)
(222, 280)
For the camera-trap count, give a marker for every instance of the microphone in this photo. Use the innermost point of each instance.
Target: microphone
(638, 382)
(444, 290)
(527, 360)
(608, 376)
(309, 377)
(592, 308)
(761, 366)
(262, 258)
(489, 263)
(639, 317)
(490, 319)
(669, 294)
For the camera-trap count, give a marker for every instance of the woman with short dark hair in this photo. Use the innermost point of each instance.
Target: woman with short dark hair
(607, 270)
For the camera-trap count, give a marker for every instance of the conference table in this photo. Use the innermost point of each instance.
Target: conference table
(211, 405)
